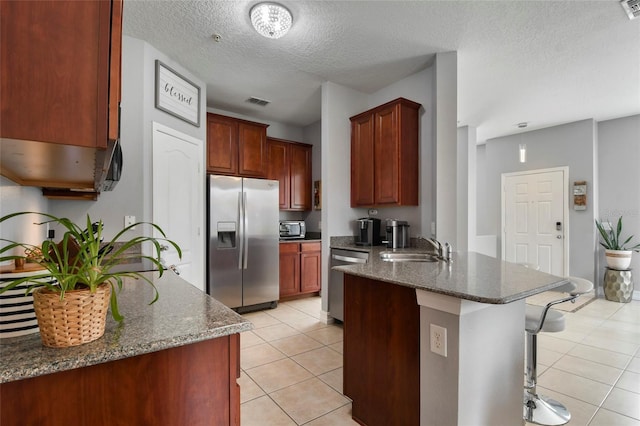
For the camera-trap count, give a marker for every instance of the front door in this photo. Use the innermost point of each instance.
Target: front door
(178, 193)
(534, 218)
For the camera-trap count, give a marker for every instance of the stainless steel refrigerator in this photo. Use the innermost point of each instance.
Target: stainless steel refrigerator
(243, 250)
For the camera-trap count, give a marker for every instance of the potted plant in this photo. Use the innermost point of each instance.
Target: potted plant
(617, 253)
(75, 302)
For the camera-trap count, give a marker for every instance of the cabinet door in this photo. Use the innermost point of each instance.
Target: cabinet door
(252, 149)
(362, 167)
(310, 259)
(278, 169)
(300, 177)
(289, 269)
(387, 151)
(55, 71)
(222, 145)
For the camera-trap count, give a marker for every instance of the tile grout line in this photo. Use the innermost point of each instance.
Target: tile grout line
(313, 375)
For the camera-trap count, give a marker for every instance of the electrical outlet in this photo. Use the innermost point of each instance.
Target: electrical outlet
(438, 340)
(373, 212)
(129, 220)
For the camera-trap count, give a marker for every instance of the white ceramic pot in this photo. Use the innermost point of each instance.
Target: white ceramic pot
(618, 259)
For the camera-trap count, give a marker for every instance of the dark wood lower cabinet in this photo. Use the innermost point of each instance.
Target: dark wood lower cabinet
(300, 266)
(381, 352)
(188, 385)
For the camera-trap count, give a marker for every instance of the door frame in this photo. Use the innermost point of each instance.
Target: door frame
(565, 208)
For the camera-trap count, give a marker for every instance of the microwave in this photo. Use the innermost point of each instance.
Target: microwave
(292, 229)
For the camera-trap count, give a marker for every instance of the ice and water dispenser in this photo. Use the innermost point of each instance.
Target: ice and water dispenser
(226, 235)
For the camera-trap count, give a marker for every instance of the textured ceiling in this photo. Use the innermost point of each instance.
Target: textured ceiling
(542, 62)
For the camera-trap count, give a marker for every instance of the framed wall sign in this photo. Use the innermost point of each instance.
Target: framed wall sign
(176, 95)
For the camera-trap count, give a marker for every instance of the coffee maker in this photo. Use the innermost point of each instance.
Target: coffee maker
(368, 232)
(397, 233)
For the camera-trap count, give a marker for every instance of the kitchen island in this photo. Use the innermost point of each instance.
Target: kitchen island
(391, 369)
(172, 363)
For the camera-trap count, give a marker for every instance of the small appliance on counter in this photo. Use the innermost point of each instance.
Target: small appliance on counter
(368, 232)
(292, 229)
(397, 233)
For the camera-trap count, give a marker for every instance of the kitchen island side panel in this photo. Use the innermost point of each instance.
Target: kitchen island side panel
(193, 384)
(381, 352)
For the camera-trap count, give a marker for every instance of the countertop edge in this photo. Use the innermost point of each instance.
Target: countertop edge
(122, 353)
(375, 270)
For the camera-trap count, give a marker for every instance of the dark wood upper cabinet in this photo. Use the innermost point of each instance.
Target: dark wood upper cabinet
(236, 147)
(300, 176)
(290, 164)
(279, 169)
(59, 90)
(384, 155)
(362, 166)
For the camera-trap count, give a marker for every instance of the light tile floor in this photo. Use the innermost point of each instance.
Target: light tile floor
(292, 366)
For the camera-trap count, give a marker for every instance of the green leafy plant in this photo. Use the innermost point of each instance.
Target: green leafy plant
(81, 260)
(611, 238)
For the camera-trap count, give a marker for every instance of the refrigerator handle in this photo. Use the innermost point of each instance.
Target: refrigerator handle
(245, 231)
(240, 229)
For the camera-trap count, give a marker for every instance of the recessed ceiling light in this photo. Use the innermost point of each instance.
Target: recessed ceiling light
(271, 20)
(523, 125)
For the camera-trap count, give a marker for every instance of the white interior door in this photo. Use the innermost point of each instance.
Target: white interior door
(178, 196)
(534, 217)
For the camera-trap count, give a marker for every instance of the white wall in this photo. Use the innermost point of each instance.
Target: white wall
(15, 198)
(619, 174)
(338, 104)
(446, 114)
(313, 136)
(132, 195)
(417, 88)
(569, 145)
(275, 129)
(466, 189)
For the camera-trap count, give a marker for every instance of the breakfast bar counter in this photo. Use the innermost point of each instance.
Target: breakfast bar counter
(156, 367)
(437, 343)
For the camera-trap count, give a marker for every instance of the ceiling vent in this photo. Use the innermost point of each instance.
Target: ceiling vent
(261, 102)
(632, 7)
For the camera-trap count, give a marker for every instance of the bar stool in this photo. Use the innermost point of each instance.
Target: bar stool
(539, 409)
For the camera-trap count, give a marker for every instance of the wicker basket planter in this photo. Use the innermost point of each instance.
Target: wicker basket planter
(79, 318)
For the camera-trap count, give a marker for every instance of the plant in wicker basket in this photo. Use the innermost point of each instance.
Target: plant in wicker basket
(71, 309)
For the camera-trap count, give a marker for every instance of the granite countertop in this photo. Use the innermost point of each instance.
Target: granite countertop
(471, 276)
(181, 316)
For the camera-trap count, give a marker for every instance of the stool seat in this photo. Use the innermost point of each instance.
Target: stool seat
(553, 322)
(539, 409)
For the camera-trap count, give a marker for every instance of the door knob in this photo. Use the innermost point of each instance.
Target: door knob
(559, 237)
(164, 247)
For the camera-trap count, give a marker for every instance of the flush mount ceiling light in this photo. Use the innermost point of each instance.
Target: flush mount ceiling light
(271, 20)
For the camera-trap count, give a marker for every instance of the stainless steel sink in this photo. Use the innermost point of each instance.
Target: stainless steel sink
(390, 256)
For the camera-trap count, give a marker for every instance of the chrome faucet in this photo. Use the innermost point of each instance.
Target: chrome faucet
(444, 252)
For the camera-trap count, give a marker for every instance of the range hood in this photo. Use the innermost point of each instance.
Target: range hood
(63, 171)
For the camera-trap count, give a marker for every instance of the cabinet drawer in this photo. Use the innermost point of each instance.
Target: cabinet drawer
(304, 247)
(289, 247)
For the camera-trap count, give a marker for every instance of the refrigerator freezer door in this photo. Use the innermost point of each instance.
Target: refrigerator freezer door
(225, 233)
(261, 278)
